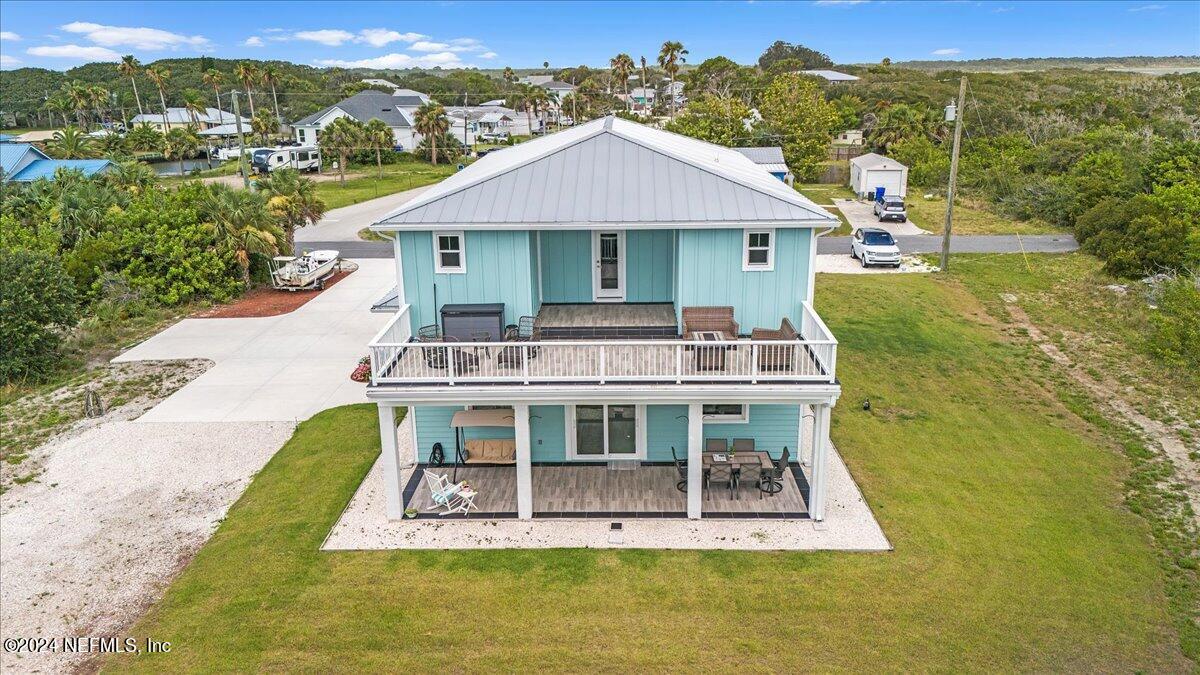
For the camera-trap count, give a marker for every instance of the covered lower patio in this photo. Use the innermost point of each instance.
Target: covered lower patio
(607, 490)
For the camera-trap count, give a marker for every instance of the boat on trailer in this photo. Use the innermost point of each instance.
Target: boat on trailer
(304, 272)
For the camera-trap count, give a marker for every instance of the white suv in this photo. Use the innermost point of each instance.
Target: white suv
(873, 246)
(891, 207)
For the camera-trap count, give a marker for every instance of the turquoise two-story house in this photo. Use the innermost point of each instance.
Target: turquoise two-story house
(609, 299)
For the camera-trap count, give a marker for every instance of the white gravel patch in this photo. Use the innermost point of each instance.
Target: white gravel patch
(116, 512)
(842, 263)
(849, 526)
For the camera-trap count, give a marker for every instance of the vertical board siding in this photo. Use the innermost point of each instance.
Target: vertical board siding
(498, 270)
(534, 271)
(664, 430)
(772, 426)
(548, 433)
(649, 265)
(566, 259)
(710, 273)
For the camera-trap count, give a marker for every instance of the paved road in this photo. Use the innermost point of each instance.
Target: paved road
(342, 225)
(920, 243)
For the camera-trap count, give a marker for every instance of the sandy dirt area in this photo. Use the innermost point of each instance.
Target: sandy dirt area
(267, 301)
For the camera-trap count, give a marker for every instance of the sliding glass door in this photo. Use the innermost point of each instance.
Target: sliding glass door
(605, 431)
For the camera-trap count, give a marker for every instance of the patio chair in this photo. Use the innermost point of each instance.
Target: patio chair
(463, 360)
(443, 493)
(776, 357)
(718, 319)
(525, 328)
(681, 469)
(435, 357)
(772, 480)
(429, 333)
(716, 445)
(750, 474)
(719, 473)
(743, 445)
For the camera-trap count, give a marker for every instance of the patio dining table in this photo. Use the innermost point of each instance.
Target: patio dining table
(738, 460)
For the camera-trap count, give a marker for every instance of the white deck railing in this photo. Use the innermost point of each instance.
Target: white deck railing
(395, 360)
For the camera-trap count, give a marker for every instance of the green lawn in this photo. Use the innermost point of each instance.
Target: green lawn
(824, 194)
(1013, 548)
(969, 218)
(396, 178)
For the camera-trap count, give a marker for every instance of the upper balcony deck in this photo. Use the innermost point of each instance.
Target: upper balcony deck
(397, 360)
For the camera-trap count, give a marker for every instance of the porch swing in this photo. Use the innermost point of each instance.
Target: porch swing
(482, 451)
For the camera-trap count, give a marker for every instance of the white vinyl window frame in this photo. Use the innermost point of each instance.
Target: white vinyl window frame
(461, 239)
(725, 418)
(769, 265)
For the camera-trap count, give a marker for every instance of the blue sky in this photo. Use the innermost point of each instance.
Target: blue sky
(61, 35)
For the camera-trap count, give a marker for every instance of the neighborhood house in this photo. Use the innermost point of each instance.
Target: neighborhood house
(613, 319)
(395, 110)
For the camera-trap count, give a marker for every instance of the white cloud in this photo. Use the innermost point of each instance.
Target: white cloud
(137, 37)
(424, 46)
(75, 52)
(327, 37)
(253, 41)
(1147, 8)
(949, 51)
(274, 30)
(7, 61)
(9, 35)
(395, 60)
(378, 37)
(455, 45)
(488, 55)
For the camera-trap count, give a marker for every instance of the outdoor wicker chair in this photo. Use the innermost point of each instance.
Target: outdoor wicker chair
(776, 357)
(715, 319)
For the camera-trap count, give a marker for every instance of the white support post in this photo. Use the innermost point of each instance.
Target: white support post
(524, 462)
(820, 462)
(695, 455)
(393, 491)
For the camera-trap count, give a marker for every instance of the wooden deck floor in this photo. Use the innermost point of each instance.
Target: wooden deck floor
(605, 314)
(598, 491)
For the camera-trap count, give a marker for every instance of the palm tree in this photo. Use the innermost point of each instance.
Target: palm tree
(431, 122)
(76, 92)
(539, 101)
(344, 135)
(293, 200)
(193, 103)
(509, 75)
(97, 99)
(247, 74)
(180, 143)
(622, 68)
(159, 76)
(58, 103)
(129, 67)
(520, 100)
(270, 75)
(70, 143)
(264, 123)
(131, 176)
(143, 136)
(214, 78)
(669, 58)
(379, 136)
(241, 223)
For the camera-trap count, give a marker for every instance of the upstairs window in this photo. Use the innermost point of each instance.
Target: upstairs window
(758, 251)
(448, 255)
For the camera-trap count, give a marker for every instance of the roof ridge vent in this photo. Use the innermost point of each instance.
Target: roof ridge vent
(608, 122)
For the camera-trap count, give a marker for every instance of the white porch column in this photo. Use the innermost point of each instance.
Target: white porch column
(393, 491)
(820, 462)
(695, 455)
(524, 462)
(399, 261)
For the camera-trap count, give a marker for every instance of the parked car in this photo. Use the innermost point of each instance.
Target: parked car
(873, 246)
(494, 136)
(890, 207)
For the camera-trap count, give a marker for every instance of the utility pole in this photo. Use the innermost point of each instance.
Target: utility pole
(237, 118)
(958, 120)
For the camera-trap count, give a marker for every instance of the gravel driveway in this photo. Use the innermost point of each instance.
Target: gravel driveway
(123, 506)
(862, 214)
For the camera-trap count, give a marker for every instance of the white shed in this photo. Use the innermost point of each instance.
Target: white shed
(871, 171)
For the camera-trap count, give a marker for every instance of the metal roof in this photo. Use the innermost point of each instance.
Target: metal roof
(874, 161)
(770, 158)
(610, 171)
(184, 116)
(46, 168)
(365, 106)
(831, 75)
(12, 153)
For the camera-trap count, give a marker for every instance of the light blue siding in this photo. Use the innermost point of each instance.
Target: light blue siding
(534, 271)
(566, 266)
(498, 270)
(548, 433)
(709, 264)
(649, 265)
(666, 427)
(771, 426)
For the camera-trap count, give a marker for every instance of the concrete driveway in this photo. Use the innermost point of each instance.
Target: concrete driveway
(343, 224)
(861, 214)
(280, 368)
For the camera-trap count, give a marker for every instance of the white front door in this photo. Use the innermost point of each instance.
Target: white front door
(608, 263)
(604, 432)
